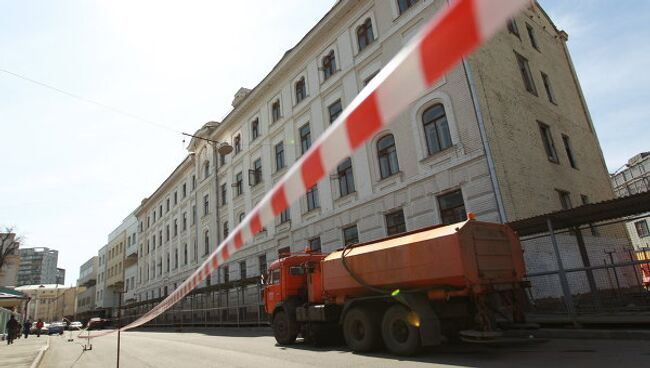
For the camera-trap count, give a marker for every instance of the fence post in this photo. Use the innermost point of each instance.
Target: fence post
(568, 299)
(587, 264)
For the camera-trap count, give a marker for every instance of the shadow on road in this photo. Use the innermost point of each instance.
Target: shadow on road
(212, 331)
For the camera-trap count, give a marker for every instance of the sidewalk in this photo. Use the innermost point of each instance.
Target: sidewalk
(23, 352)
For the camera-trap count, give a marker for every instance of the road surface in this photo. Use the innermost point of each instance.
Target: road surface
(225, 347)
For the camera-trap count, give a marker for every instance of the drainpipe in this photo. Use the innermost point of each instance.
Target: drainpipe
(485, 141)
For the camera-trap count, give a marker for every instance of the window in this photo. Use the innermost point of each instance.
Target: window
(452, 207)
(285, 216)
(512, 27)
(387, 155)
(312, 198)
(255, 129)
(526, 75)
(206, 242)
(184, 190)
(256, 176)
(305, 138)
(314, 244)
(184, 221)
(569, 151)
(350, 235)
(301, 90)
(239, 184)
(585, 201)
(329, 65)
(261, 261)
(167, 269)
(237, 141)
(167, 206)
(275, 111)
(175, 198)
(548, 88)
(565, 199)
(175, 227)
(196, 249)
(335, 110)
(531, 35)
(284, 252)
(160, 211)
(279, 156)
(154, 217)
(206, 204)
(642, 228)
(224, 194)
(345, 177)
(193, 214)
(222, 159)
(175, 258)
(206, 169)
(364, 35)
(185, 253)
(369, 78)
(193, 182)
(226, 273)
(547, 140)
(225, 229)
(403, 5)
(242, 270)
(395, 223)
(153, 241)
(436, 129)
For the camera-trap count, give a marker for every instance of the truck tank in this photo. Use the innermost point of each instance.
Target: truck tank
(463, 256)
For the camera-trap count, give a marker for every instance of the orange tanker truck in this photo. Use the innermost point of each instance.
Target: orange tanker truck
(416, 289)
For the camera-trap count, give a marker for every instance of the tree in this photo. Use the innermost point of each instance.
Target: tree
(9, 243)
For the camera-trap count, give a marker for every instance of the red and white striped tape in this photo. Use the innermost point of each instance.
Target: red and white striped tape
(445, 40)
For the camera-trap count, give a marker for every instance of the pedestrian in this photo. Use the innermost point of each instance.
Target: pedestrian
(26, 326)
(39, 325)
(11, 328)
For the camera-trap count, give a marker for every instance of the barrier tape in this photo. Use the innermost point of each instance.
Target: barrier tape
(443, 42)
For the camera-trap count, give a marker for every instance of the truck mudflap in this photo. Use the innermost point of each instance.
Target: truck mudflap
(429, 324)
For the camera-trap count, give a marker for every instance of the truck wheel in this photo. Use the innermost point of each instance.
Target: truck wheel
(400, 336)
(285, 330)
(361, 329)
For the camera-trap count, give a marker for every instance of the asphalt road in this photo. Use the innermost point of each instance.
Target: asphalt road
(256, 348)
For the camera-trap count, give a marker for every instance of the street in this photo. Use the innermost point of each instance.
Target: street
(224, 347)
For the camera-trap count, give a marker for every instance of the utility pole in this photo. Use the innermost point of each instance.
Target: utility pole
(119, 314)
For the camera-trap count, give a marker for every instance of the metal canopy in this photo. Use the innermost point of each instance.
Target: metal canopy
(586, 214)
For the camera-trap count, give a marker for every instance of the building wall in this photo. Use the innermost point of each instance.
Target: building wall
(50, 302)
(37, 266)
(102, 298)
(527, 179)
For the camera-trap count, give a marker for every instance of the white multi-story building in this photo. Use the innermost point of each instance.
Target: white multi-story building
(87, 288)
(481, 140)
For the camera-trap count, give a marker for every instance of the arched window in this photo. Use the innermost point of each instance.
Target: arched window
(237, 143)
(364, 35)
(275, 111)
(206, 169)
(301, 90)
(206, 239)
(436, 129)
(329, 65)
(241, 217)
(387, 155)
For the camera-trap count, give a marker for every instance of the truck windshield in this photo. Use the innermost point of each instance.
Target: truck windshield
(274, 277)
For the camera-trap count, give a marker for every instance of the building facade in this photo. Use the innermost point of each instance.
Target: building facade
(50, 302)
(37, 266)
(60, 276)
(635, 178)
(87, 289)
(11, 262)
(505, 134)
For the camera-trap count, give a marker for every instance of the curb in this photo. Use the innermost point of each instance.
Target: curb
(582, 334)
(41, 352)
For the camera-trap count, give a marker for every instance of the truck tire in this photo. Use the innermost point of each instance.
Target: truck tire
(285, 329)
(361, 329)
(399, 335)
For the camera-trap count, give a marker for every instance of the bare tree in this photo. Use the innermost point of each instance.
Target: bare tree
(8, 244)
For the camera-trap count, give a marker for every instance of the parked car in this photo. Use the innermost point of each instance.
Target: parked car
(97, 323)
(56, 328)
(44, 330)
(76, 325)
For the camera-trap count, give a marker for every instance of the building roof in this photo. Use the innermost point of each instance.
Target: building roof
(586, 214)
(43, 286)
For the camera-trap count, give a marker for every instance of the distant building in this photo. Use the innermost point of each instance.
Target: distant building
(633, 179)
(60, 276)
(87, 285)
(50, 302)
(9, 269)
(37, 266)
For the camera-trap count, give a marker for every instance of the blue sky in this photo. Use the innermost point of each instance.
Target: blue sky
(73, 170)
